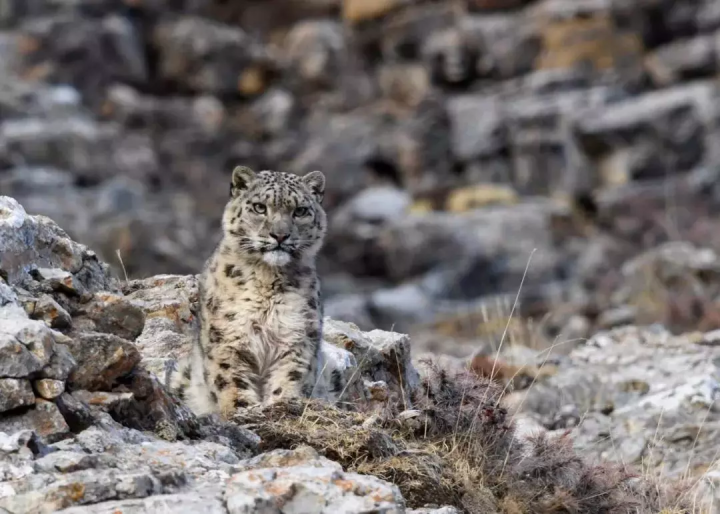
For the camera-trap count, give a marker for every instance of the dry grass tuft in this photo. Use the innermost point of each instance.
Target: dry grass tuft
(457, 447)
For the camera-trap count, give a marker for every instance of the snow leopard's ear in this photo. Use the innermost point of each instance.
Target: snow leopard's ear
(315, 181)
(241, 177)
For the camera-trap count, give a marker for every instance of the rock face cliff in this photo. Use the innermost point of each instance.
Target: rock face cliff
(87, 425)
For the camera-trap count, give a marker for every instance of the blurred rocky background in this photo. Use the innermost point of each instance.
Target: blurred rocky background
(527, 187)
(467, 144)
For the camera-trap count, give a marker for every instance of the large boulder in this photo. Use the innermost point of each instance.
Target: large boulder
(31, 242)
(66, 332)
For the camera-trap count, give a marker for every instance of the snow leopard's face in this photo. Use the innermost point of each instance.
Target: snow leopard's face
(274, 216)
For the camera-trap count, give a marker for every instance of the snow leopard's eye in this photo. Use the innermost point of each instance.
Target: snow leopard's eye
(259, 208)
(301, 212)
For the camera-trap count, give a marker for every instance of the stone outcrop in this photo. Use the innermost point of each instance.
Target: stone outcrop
(102, 471)
(638, 396)
(87, 425)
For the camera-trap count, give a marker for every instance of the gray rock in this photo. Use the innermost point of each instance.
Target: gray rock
(616, 317)
(711, 338)
(545, 154)
(49, 311)
(203, 114)
(302, 455)
(664, 283)
(402, 306)
(44, 100)
(451, 56)
(61, 364)
(101, 359)
(273, 111)
(77, 415)
(489, 250)
(169, 303)
(15, 393)
(109, 467)
(45, 420)
(379, 204)
(161, 368)
(634, 403)
(15, 359)
(58, 280)
(508, 45)
(678, 21)
(11, 472)
(419, 147)
(112, 314)
(380, 356)
(32, 185)
(54, 249)
(87, 486)
(147, 406)
(26, 346)
(8, 300)
(86, 141)
(36, 337)
(310, 485)
(66, 462)
(503, 237)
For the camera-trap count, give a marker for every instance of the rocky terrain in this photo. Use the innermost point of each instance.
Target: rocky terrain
(528, 188)
(84, 415)
(87, 425)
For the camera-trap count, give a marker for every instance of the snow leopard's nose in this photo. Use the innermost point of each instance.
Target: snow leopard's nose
(279, 237)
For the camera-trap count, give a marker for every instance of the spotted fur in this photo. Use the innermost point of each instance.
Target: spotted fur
(261, 311)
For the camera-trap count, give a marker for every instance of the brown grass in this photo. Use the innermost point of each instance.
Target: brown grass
(457, 447)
